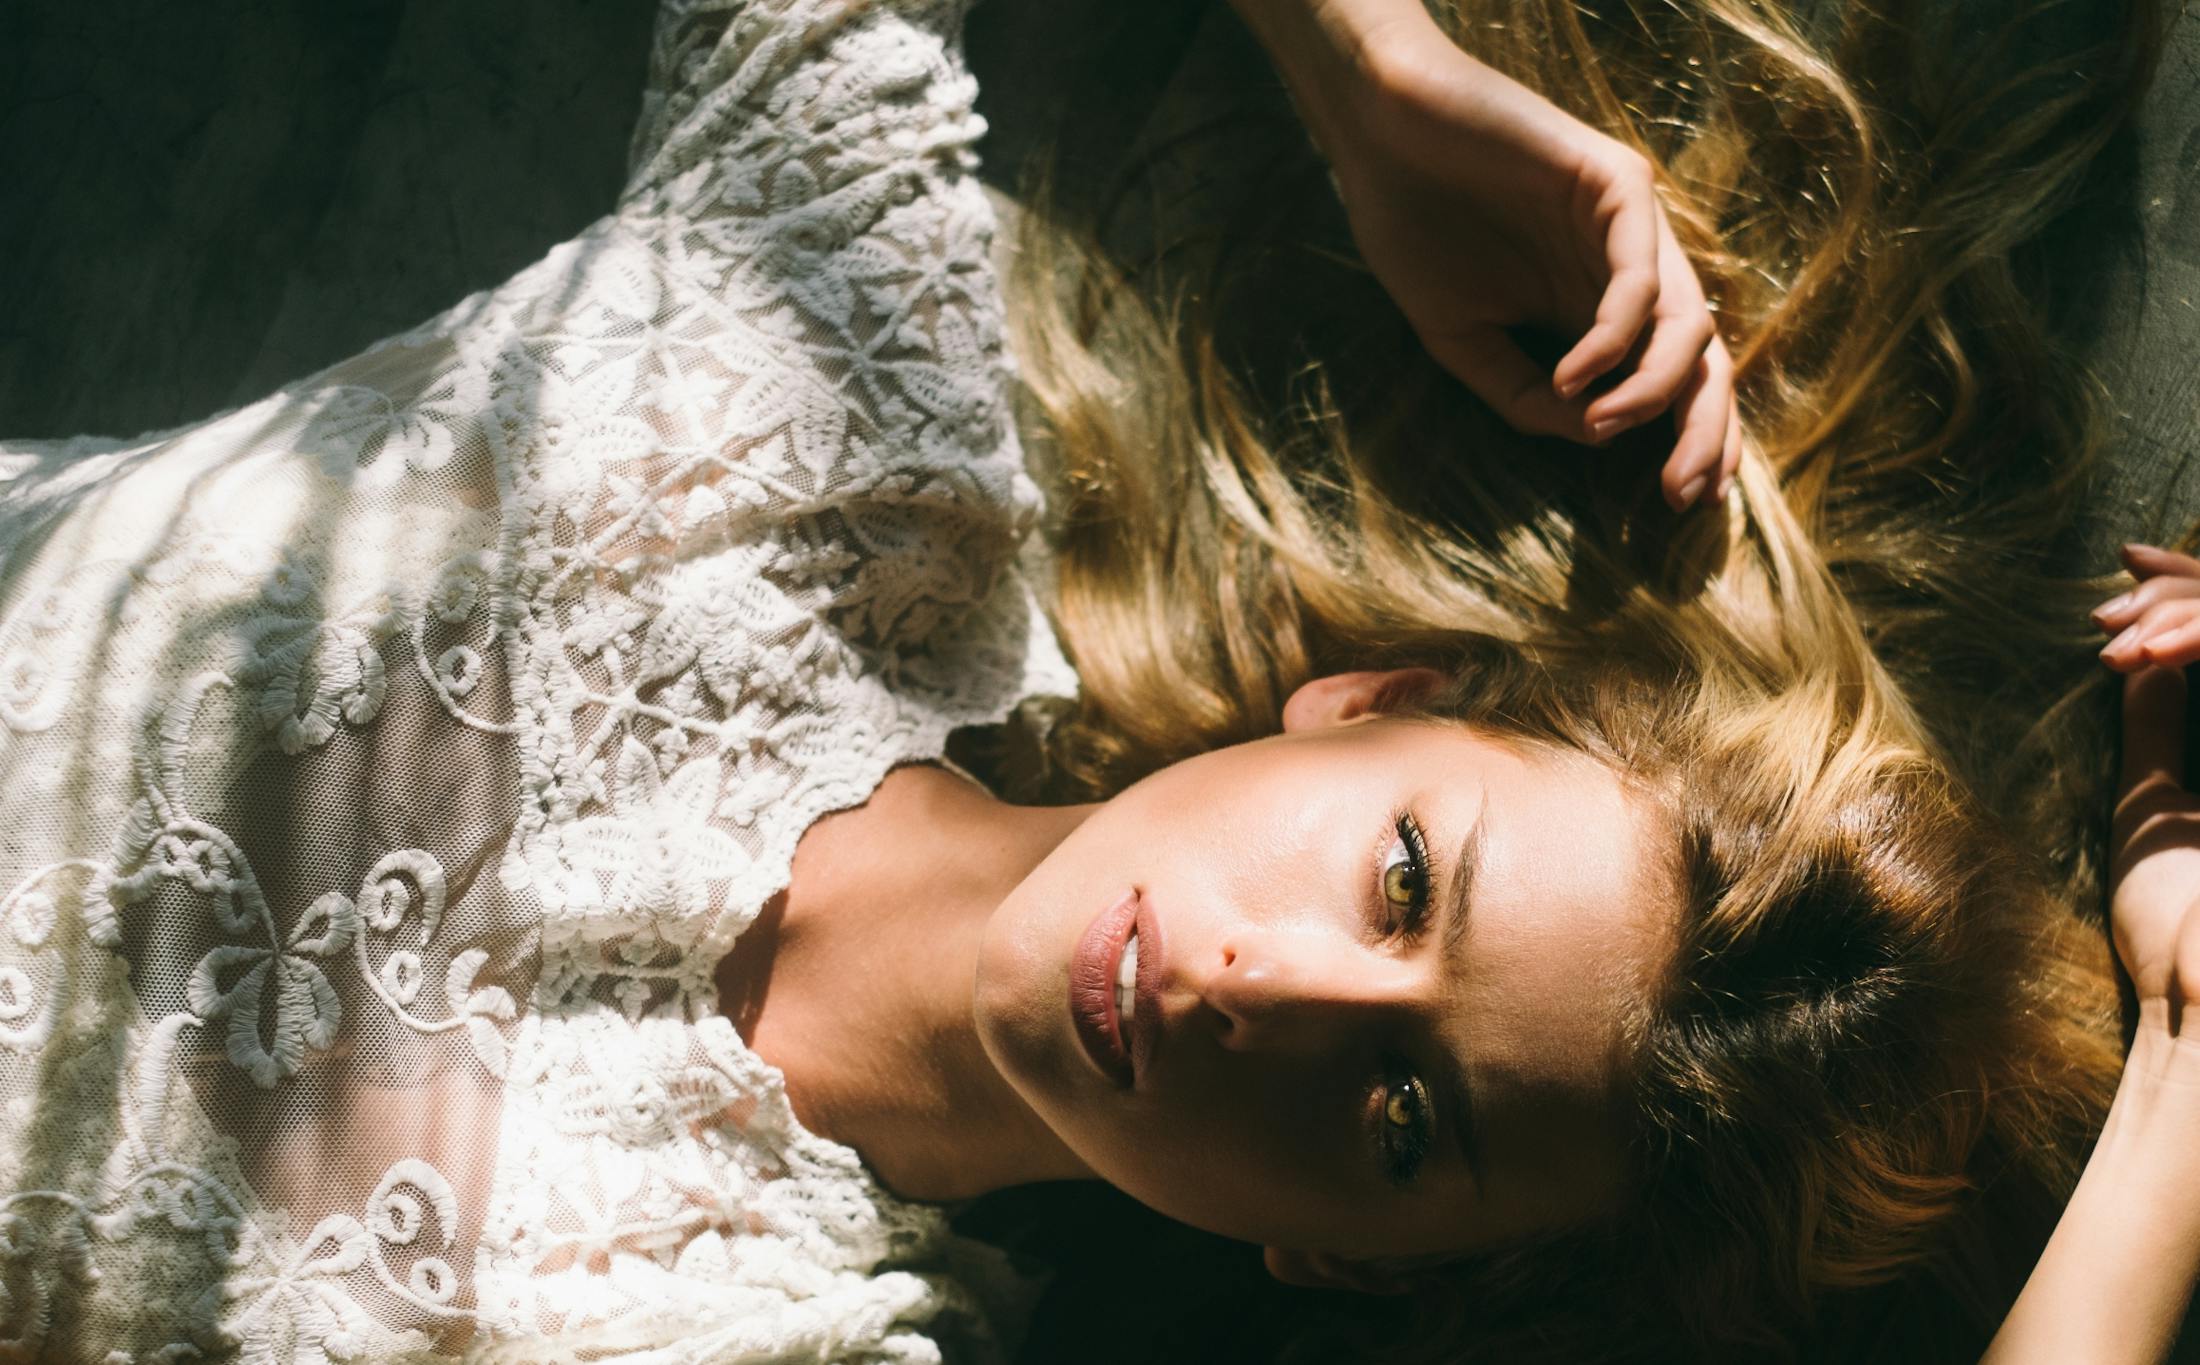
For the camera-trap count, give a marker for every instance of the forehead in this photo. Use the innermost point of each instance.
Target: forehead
(1569, 916)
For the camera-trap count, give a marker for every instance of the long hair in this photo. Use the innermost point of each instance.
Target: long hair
(1869, 1074)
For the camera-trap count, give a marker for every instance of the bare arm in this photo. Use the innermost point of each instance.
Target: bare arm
(2112, 1285)
(2114, 1281)
(1482, 207)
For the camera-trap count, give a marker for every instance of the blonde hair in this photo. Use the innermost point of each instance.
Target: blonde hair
(1885, 1004)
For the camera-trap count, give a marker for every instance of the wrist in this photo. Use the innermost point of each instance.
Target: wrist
(2156, 1110)
(1332, 53)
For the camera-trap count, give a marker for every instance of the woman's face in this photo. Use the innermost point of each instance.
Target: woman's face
(1306, 1057)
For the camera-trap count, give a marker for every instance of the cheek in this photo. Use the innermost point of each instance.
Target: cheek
(1252, 1156)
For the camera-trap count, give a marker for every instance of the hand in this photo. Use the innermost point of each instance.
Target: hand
(1481, 206)
(2113, 1284)
(2154, 867)
(2157, 623)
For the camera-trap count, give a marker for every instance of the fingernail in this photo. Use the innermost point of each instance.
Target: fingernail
(1570, 388)
(1603, 431)
(2122, 642)
(2113, 605)
(1726, 486)
(1694, 489)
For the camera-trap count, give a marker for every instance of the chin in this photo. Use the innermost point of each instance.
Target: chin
(1020, 994)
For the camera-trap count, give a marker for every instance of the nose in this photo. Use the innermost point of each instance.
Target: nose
(1274, 990)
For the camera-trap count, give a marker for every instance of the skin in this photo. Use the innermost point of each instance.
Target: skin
(1547, 224)
(938, 1041)
(2116, 1279)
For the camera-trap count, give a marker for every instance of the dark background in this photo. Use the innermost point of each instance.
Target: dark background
(200, 202)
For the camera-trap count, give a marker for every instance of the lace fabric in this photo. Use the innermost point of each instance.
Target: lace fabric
(385, 766)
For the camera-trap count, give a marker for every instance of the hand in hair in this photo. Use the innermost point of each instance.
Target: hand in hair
(2115, 1279)
(1483, 207)
(2155, 840)
(2158, 622)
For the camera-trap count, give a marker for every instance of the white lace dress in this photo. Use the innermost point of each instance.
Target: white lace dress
(385, 766)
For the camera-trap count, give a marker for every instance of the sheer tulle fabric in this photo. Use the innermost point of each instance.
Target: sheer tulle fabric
(385, 766)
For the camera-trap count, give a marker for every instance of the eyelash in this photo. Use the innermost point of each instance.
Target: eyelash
(1407, 831)
(1403, 1148)
(1402, 1154)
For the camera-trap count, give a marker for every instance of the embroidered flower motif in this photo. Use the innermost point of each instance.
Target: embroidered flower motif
(387, 892)
(33, 918)
(610, 620)
(734, 626)
(306, 1011)
(480, 1007)
(318, 675)
(288, 583)
(300, 1312)
(671, 744)
(630, 499)
(634, 1107)
(50, 611)
(31, 695)
(365, 431)
(454, 596)
(633, 995)
(401, 976)
(686, 394)
(458, 669)
(657, 844)
(197, 857)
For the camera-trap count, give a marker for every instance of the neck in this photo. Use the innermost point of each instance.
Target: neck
(859, 985)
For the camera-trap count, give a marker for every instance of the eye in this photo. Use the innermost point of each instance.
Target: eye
(1404, 1125)
(1405, 878)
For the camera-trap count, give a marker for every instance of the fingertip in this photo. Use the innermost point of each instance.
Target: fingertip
(1580, 367)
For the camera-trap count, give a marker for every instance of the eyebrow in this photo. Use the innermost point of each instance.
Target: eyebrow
(1459, 1108)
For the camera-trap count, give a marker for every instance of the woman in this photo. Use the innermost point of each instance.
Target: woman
(402, 770)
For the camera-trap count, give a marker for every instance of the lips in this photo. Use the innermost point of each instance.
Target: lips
(1092, 986)
(1153, 959)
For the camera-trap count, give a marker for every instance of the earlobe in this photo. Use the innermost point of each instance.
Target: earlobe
(1340, 697)
(1317, 1270)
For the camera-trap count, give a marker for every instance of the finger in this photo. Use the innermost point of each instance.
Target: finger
(2145, 561)
(2128, 650)
(1681, 330)
(1621, 315)
(1730, 463)
(1676, 344)
(1487, 361)
(1631, 262)
(2117, 612)
(2174, 647)
(2154, 731)
(1705, 407)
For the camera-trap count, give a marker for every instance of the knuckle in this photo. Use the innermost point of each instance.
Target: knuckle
(1632, 169)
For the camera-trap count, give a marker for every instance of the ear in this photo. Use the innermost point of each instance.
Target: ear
(1340, 697)
(1316, 1270)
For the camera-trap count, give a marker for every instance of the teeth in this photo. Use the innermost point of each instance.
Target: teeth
(1126, 980)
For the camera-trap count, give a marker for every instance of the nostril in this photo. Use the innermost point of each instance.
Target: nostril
(1224, 1024)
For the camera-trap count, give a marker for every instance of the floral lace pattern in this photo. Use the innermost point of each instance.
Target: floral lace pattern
(385, 766)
